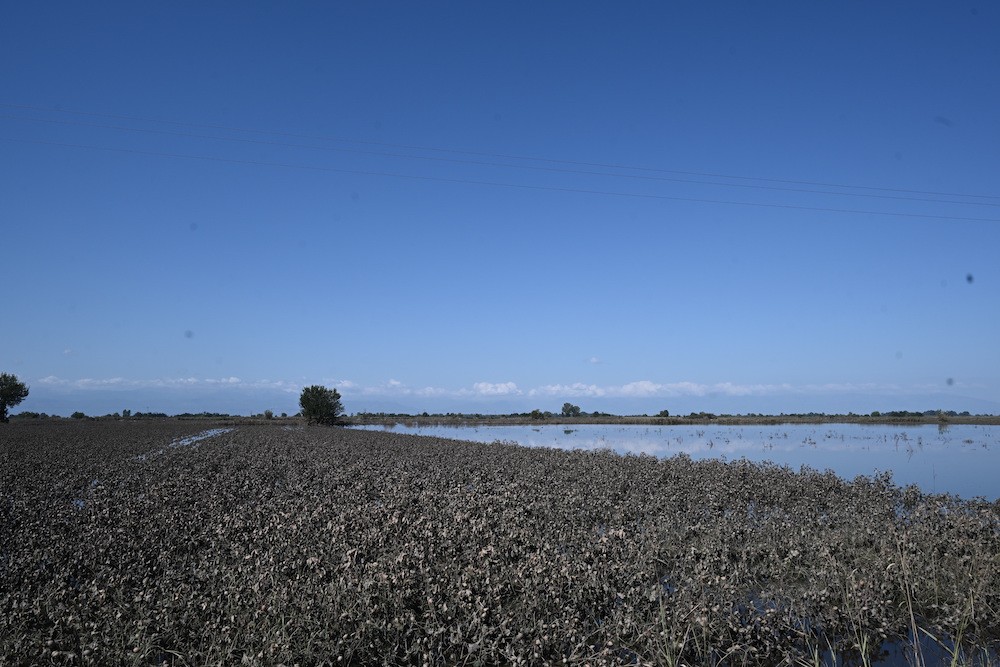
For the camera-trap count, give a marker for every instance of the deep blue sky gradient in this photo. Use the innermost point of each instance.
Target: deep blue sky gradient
(501, 206)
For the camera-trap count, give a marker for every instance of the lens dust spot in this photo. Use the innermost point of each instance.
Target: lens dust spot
(193, 226)
(950, 382)
(188, 333)
(968, 278)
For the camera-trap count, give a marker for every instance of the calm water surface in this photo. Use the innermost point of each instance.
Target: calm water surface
(959, 459)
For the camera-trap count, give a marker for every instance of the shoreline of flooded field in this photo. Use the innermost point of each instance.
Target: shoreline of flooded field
(957, 459)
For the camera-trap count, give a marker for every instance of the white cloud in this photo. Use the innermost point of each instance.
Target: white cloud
(731, 389)
(392, 387)
(595, 360)
(278, 385)
(684, 389)
(397, 388)
(166, 383)
(576, 389)
(498, 389)
(637, 389)
(101, 383)
(432, 391)
(641, 388)
(854, 387)
(649, 389)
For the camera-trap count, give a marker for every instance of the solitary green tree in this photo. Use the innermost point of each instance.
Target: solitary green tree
(320, 405)
(12, 392)
(570, 410)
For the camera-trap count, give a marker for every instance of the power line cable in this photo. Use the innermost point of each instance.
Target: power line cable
(499, 155)
(500, 184)
(495, 164)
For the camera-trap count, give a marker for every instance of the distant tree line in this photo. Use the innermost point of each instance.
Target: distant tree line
(570, 410)
(536, 414)
(903, 414)
(321, 405)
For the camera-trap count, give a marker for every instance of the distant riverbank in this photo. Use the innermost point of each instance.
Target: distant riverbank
(911, 419)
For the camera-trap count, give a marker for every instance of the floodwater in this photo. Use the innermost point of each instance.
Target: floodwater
(958, 459)
(189, 441)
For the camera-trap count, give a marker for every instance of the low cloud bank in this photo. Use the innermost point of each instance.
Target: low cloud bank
(237, 395)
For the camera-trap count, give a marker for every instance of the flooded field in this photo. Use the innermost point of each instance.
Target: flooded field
(959, 459)
(265, 545)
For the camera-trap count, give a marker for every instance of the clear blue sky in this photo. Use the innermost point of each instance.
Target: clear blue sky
(501, 206)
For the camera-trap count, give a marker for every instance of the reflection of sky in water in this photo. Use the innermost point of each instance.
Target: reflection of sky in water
(958, 459)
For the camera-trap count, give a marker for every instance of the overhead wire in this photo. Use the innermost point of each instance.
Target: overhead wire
(524, 186)
(497, 155)
(496, 164)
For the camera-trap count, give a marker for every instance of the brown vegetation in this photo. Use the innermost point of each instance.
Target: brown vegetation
(273, 544)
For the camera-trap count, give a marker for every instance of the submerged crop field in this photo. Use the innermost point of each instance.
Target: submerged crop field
(126, 543)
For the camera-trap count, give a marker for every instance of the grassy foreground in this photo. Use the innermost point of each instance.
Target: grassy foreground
(273, 544)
